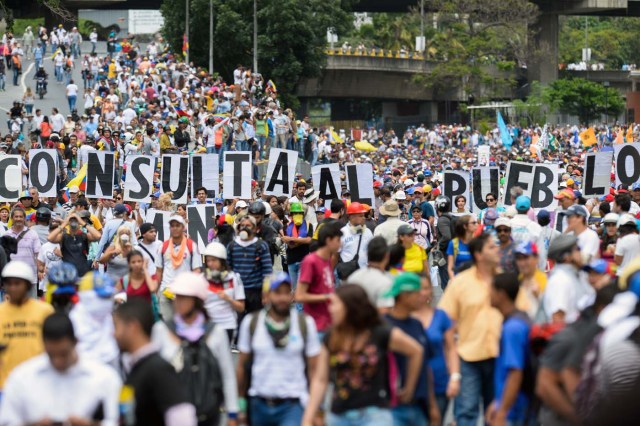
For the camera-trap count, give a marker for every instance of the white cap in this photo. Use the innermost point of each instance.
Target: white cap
(611, 218)
(626, 219)
(400, 195)
(177, 218)
(241, 204)
(190, 284)
(502, 221)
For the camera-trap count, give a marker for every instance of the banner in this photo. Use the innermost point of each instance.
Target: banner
(484, 180)
(360, 183)
(456, 183)
(539, 182)
(175, 169)
(201, 217)
(484, 155)
(101, 169)
(326, 181)
(204, 173)
(138, 183)
(281, 171)
(159, 219)
(236, 178)
(597, 174)
(10, 177)
(43, 169)
(627, 163)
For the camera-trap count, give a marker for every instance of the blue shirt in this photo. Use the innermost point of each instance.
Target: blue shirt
(413, 328)
(440, 324)
(514, 355)
(463, 255)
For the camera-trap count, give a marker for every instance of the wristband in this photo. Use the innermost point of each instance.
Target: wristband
(242, 405)
(455, 377)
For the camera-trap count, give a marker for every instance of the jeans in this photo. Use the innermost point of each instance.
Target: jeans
(2, 82)
(476, 384)
(314, 157)
(280, 141)
(444, 276)
(93, 47)
(67, 77)
(59, 73)
(38, 63)
(16, 74)
(287, 413)
(241, 145)
(72, 102)
(29, 108)
(262, 141)
(443, 404)
(369, 416)
(408, 415)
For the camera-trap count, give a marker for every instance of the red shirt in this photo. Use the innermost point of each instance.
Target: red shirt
(318, 274)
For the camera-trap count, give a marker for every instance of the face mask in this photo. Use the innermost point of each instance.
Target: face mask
(245, 233)
(215, 275)
(124, 238)
(357, 229)
(297, 219)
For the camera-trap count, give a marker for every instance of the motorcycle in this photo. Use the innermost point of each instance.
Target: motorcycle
(40, 87)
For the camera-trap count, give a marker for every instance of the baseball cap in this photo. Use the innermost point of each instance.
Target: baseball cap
(598, 266)
(502, 221)
(241, 204)
(146, 227)
(570, 181)
(608, 198)
(577, 210)
(119, 209)
(74, 189)
(544, 214)
(565, 193)
(406, 230)
(635, 186)
(277, 279)
(491, 214)
(527, 248)
(407, 281)
(523, 203)
(176, 218)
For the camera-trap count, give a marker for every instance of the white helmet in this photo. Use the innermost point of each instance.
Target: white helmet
(190, 284)
(611, 218)
(268, 208)
(19, 269)
(216, 250)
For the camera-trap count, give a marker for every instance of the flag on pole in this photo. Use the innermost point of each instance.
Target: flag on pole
(588, 137)
(181, 112)
(333, 137)
(630, 133)
(271, 86)
(504, 132)
(619, 137)
(185, 45)
(543, 141)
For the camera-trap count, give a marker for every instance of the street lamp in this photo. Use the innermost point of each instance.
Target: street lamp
(211, 37)
(255, 36)
(187, 31)
(606, 102)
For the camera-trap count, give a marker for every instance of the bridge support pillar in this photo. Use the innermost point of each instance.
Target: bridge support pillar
(543, 65)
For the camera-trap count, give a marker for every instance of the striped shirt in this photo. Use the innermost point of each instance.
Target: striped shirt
(251, 261)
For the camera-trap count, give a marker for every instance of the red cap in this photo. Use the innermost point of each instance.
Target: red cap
(436, 192)
(377, 184)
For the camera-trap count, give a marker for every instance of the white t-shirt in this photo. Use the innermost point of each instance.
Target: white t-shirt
(278, 373)
(589, 244)
(57, 122)
(154, 249)
(565, 292)
(72, 89)
(350, 244)
(190, 261)
(49, 258)
(83, 154)
(628, 247)
(376, 283)
(220, 311)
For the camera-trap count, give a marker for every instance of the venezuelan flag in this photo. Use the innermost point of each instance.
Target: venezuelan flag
(80, 181)
(272, 86)
(180, 112)
(185, 45)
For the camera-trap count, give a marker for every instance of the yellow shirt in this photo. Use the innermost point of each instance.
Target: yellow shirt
(112, 71)
(21, 332)
(524, 300)
(414, 258)
(467, 300)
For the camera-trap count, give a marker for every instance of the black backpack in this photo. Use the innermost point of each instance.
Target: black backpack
(202, 376)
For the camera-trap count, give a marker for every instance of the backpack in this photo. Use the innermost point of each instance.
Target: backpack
(202, 376)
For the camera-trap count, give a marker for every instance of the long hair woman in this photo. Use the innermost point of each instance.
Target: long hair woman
(180, 336)
(115, 256)
(458, 255)
(137, 282)
(355, 355)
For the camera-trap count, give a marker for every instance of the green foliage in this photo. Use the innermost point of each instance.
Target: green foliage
(19, 25)
(532, 110)
(391, 31)
(583, 98)
(291, 36)
(472, 38)
(483, 126)
(613, 40)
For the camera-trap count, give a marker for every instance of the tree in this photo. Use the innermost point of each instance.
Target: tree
(533, 108)
(585, 99)
(291, 36)
(475, 35)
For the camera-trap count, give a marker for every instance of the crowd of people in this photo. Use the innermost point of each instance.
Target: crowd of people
(301, 310)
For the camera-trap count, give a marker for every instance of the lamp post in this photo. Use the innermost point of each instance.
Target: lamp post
(255, 36)
(606, 102)
(210, 36)
(186, 25)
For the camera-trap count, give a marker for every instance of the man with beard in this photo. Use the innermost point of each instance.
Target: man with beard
(282, 346)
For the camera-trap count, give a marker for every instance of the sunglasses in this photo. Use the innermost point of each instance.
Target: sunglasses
(613, 225)
(503, 230)
(118, 198)
(489, 200)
